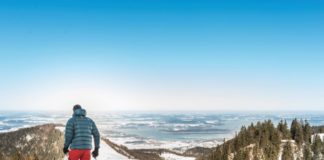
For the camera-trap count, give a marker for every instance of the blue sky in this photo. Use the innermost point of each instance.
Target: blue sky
(162, 55)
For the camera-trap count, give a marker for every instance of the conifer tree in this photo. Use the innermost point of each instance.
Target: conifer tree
(317, 146)
(256, 153)
(293, 128)
(307, 132)
(287, 153)
(216, 155)
(283, 129)
(297, 132)
(242, 154)
(307, 154)
(226, 151)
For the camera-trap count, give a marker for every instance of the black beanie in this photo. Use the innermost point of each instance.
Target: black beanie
(77, 106)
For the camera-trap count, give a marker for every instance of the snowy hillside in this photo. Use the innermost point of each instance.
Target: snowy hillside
(107, 153)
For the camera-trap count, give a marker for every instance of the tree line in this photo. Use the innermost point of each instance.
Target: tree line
(263, 141)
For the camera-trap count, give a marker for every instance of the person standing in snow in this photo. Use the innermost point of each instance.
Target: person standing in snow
(79, 131)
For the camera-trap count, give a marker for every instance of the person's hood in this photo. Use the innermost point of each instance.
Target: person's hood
(79, 112)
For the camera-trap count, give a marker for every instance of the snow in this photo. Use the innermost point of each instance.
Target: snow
(178, 146)
(287, 140)
(321, 135)
(60, 128)
(107, 153)
(28, 137)
(170, 156)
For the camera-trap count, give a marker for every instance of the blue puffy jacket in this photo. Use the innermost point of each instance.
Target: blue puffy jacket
(79, 131)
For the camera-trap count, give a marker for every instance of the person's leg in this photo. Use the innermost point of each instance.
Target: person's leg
(86, 154)
(75, 154)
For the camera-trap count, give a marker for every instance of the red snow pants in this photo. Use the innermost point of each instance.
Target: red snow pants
(79, 154)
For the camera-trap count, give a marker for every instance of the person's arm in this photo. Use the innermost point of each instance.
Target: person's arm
(68, 133)
(96, 135)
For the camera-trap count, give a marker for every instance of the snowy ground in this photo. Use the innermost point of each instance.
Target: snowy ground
(170, 156)
(107, 153)
(179, 146)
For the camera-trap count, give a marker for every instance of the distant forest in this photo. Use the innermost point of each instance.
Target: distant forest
(265, 141)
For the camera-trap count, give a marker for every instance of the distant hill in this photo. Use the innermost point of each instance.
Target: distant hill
(265, 141)
(36, 143)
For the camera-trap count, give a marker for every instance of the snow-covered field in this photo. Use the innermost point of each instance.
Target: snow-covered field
(170, 156)
(179, 146)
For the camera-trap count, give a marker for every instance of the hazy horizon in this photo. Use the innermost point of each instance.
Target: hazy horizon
(162, 55)
(95, 111)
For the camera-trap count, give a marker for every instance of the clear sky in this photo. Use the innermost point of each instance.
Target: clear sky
(162, 55)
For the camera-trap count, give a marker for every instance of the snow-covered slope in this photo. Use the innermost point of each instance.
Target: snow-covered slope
(170, 156)
(107, 153)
